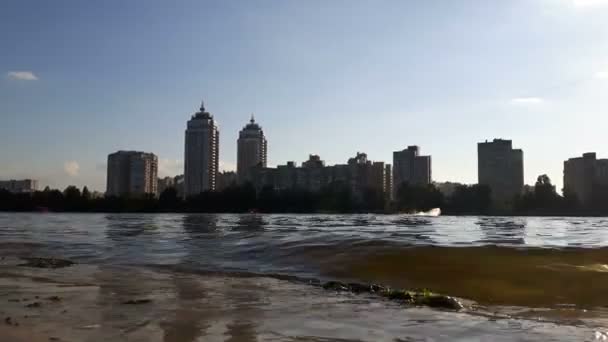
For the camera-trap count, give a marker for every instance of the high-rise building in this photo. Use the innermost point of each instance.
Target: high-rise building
(388, 181)
(201, 161)
(583, 174)
(19, 186)
(501, 167)
(132, 173)
(410, 167)
(252, 149)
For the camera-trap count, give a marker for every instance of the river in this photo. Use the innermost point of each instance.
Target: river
(526, 278)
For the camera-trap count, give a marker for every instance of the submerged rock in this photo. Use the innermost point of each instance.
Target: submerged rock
(10, 321)
(420, 297)
(137, 301)
(357, 288)
(398, 294)
(33, 305)
(335, 285)
(46, 263)
(443, 302)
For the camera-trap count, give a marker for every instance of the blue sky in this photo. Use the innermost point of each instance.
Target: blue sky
(81, 79)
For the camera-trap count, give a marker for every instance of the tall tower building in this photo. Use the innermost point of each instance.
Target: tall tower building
(583, 175)
(132, 173)
(201, 161)
(252, 149)
(501, 167)
(410, 167)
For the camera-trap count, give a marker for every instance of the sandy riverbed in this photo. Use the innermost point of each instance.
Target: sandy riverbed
(93, 303)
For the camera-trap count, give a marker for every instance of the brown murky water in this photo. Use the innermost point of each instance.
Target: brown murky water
(244, 277)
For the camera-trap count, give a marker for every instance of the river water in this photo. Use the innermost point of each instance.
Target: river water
(528, 278)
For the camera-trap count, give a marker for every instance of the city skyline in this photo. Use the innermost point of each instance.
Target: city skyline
(83, 79)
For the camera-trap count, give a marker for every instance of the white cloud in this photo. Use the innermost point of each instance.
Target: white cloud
(227, 166)
(170, 167)
(22, 75)
(71, 168)
(602, 75)
(527, 101)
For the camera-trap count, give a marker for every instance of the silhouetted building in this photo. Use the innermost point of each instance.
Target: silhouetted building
(165, 183)
(583, 174)
(20, 186)
(178, 182)
(314, 161)
(501, 167)
(201, 160)
(410, 167)
(376, 178)
(132, 173)
(226, 179)
(388, 181)
(359, 174)
(252, 149)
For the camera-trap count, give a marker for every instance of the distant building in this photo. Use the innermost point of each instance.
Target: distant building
(226, 179)
(132, 173)
(201, 160)
(501, 167)
(252, 149)
(583, 174)
(165, 183)
(314, 161)
(388, 181)
(20, 186)
(359, 174)
(178, 182)
(410, 167)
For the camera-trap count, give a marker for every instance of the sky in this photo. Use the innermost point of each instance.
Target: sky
(82, 79)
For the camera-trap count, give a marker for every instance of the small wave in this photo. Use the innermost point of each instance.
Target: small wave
(433, 212)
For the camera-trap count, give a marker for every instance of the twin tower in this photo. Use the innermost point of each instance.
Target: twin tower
(202, 149)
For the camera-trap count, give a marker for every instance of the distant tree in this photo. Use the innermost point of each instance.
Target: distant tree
(336, 197)
(72, 198)
(71, 192)
(269, 200)
(544, 199)
(168, 199)
(86, 195)
(469, 199)
(373, 200)
(545, 192)
(47, 189)
(418, 197)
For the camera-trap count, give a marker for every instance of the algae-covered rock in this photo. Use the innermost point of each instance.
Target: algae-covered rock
(398, 294)
(441, 301)
(419, 297)
(137, 301)
(46, 263)
(336, 286)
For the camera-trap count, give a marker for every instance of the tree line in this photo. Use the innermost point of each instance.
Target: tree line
(334, 198)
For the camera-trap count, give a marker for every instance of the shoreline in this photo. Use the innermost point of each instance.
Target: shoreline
(95, 303)
(573, 215)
